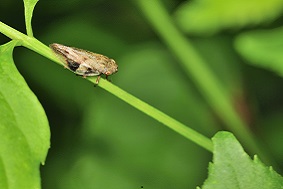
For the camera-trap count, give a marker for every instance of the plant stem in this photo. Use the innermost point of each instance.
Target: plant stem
(29, 6)
(37, 46)
(29, 42)
(157, 114)
(198, 70)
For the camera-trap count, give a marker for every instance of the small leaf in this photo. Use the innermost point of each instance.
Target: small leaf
(29, 7)
(24, 130)
(263, 48)
(209, 17)
(233, 168)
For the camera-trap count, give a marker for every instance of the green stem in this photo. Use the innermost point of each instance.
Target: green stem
(29, 42)
(157, 114)
(198, 70)
(178, 127)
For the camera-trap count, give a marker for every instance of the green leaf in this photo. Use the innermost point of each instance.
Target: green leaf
(263, 48)
(24, 130)
(29, 7)
(208, 17)
(232, 168)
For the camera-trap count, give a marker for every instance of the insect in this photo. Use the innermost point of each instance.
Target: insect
(84, 62)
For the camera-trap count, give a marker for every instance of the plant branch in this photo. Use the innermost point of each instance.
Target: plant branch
(157, 115)
(37, 46)
(29, 7)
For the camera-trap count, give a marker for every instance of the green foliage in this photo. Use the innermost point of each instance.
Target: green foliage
(24, 130)
(100, 141)
(182, 129)
(262, 48)
(209, 17)
(232, 168)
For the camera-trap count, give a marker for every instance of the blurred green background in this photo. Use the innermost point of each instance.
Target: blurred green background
(98, 141)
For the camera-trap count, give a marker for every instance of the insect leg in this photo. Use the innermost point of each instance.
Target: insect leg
(97, 80)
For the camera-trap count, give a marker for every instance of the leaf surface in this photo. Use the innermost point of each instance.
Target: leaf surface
(232, 168)
(24, 129)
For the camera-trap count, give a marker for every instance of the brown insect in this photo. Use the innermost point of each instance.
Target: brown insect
(84, 62)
